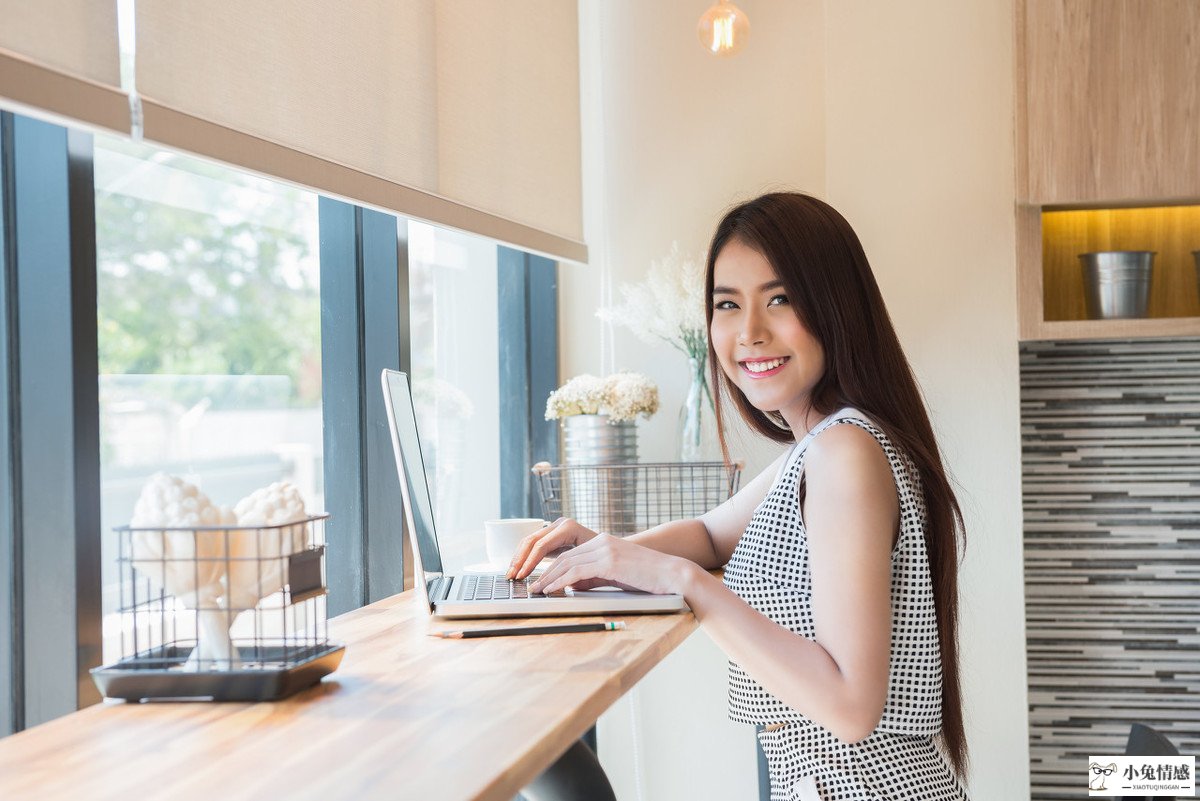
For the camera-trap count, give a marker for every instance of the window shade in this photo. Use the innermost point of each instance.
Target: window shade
(464, 114)
(61, 56)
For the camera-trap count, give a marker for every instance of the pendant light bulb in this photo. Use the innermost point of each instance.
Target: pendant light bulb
(723, 29)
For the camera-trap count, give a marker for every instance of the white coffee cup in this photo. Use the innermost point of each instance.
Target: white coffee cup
(503, 536)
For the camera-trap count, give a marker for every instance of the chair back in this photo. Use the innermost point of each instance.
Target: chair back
(1145, 741)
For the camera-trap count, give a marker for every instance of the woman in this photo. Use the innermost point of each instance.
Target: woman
(838, 609)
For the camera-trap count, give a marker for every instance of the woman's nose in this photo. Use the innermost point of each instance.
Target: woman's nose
(752, 331)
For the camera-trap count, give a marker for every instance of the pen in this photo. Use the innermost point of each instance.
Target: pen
(563, 629)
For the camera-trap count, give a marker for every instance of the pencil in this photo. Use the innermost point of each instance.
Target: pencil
(566, 628)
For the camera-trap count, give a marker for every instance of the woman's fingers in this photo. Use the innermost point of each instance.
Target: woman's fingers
(581, 563)
(564, 576)
(608, 561)
(534, 548)
(524, 549)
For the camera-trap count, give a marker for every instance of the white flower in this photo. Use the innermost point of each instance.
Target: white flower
(629, 394)
(621, 396)
(667, 306)
(583, 394)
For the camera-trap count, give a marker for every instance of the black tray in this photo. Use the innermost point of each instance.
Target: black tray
(159, 674)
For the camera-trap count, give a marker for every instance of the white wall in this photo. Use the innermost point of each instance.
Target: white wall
(920, 159)
(901, 115)
(673, 137)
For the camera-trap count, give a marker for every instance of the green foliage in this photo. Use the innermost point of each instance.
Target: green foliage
(204, 271)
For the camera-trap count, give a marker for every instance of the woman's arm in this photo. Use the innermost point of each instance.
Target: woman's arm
(839, 679)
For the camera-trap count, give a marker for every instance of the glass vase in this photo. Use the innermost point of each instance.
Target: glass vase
(697, 433)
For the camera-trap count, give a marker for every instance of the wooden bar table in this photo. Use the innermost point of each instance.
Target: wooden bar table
(406, 716)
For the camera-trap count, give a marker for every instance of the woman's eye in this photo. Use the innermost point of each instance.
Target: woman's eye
(778, 300)
(724, 304)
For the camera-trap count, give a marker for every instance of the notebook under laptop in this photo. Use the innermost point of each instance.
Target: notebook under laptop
(461, 596)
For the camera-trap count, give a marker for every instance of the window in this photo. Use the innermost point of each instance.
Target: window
(456, 382)
(209, 334)
(484, 358)
(239, 326)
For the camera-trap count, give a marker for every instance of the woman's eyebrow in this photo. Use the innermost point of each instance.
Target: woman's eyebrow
(767, 287)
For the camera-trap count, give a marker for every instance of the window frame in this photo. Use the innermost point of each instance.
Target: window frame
(364, 266)
(52, 422)
(528, 342)
(11, 688)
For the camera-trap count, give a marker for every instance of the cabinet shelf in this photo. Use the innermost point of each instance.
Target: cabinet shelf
(1051, 287)
(1115, 329)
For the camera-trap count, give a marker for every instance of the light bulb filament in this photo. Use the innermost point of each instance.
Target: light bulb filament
(722, 34)
(723, 29)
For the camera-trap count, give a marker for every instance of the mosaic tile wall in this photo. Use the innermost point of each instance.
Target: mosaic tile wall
(1110, 434)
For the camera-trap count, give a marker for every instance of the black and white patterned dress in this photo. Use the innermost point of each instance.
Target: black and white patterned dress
(769, 569)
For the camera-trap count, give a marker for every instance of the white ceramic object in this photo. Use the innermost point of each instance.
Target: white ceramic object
(187, 564)
(501, 538)
(258, 563)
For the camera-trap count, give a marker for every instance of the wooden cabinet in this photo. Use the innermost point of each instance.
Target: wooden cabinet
(1108, 157)
(1109, 92)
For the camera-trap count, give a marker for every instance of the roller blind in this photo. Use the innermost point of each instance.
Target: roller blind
(61, 56)
(462, 113)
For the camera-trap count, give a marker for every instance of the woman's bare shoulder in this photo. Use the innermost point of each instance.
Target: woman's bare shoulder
(847, 460)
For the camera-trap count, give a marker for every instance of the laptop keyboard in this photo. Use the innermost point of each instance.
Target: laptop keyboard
(498, 588)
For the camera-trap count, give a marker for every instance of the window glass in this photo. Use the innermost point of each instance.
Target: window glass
(209, 334)
(456, 379)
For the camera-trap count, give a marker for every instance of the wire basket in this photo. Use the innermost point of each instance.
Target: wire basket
(227, 613)
(621, 499)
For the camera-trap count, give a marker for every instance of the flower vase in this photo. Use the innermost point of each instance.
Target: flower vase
(697, 434)
(600, 492)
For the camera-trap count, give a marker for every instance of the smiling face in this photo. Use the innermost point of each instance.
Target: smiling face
(760, 343)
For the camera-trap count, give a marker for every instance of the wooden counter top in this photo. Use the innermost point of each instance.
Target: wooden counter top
(406, 716)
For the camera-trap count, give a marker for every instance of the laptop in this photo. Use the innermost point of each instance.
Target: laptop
(481, 595)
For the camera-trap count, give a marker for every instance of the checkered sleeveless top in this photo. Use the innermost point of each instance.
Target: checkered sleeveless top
(770, 570)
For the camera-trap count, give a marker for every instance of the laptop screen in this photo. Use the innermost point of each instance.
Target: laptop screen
(405, 420)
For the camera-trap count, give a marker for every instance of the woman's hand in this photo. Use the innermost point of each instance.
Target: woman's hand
(563, 533)
(607, 561)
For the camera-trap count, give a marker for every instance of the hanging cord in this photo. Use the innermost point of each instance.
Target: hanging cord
(127, 45)
(607, 338)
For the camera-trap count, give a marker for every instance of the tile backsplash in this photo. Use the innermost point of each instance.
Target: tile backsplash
(1110, 435)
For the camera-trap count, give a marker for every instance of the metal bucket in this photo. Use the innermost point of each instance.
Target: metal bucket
(604, 499)
(592, 439)
(1117, 283)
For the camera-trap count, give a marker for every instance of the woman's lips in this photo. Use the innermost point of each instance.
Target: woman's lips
(758, 364)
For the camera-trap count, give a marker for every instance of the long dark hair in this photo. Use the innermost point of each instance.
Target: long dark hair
(818, 258)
